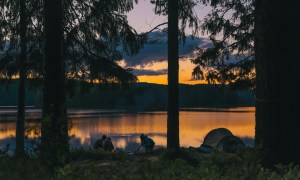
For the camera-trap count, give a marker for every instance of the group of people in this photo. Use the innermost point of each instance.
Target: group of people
(105, 143)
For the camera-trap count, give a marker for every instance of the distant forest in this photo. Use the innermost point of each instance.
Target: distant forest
(140, 97)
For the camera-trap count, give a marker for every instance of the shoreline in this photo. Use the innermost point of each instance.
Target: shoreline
(9, 113)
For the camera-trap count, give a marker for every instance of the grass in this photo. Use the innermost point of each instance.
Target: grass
(189, 164)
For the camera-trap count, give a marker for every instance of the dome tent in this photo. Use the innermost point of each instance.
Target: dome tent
(221, 139)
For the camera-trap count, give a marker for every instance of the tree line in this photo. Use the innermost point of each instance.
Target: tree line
(56, 40)
(139, 97)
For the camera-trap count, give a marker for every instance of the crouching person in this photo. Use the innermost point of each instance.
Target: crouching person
(147, 142)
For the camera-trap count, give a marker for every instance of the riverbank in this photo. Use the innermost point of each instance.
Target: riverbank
(190, 164)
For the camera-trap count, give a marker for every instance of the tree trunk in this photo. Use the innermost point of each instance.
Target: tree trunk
(19, 152)
(54, 146)
(277, 60)
(173, 66)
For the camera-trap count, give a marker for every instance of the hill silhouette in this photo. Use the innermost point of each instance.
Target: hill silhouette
(140, 97)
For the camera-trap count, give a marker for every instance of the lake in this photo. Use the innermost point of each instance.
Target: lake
(86, 126)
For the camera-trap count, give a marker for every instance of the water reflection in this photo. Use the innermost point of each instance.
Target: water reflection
(124, 129)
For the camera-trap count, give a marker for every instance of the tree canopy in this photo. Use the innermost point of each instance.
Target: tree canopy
(96, 33)
(186, 15)
(230, 59)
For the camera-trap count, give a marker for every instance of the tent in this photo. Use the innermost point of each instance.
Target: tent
(221, 139)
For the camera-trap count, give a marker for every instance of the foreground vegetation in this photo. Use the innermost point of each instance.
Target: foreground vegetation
(189, 164)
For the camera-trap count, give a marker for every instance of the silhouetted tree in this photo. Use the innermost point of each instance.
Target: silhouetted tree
(11, 41)
(173, 67)
(230, 59)
(277, 63)
(231, 24)
(22, 78)
(13, 58)
(93, 32)
(9, 34)
(54, 141)
(96, 33)
(92, 40)
(176, 10)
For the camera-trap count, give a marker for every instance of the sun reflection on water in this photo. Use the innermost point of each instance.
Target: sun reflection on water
(124, 129)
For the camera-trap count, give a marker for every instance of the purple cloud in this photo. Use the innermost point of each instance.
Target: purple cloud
(155, 50)
(147, 72)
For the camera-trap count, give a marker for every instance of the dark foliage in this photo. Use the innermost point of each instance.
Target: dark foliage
(96, 33)
(230, 59)
(186, 15)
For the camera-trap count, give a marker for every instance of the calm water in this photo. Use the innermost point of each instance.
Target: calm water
(86, 126)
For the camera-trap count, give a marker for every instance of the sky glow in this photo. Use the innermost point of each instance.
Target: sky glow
(150, 65)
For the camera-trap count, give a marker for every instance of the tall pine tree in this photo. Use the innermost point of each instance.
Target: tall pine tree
(173, 68)
(180, 15)
(20, 152)
(54, 142)
(277, 63)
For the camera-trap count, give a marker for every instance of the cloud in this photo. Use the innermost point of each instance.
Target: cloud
(147, 72)
(155, 50)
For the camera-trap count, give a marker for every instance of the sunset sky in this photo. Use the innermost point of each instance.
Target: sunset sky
(150, 65)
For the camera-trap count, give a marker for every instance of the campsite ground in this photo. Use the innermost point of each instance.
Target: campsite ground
(189, 164)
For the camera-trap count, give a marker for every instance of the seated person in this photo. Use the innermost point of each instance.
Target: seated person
(100, 142)
(147, 142)
(108, 145)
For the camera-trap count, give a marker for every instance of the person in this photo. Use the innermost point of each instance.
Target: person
(108, 145)
(100, 142)
(147, 142)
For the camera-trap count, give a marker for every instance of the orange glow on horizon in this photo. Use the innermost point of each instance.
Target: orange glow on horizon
(185, 72)
(163, 79)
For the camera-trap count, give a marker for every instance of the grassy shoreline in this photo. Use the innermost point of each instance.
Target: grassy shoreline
(161, 164)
